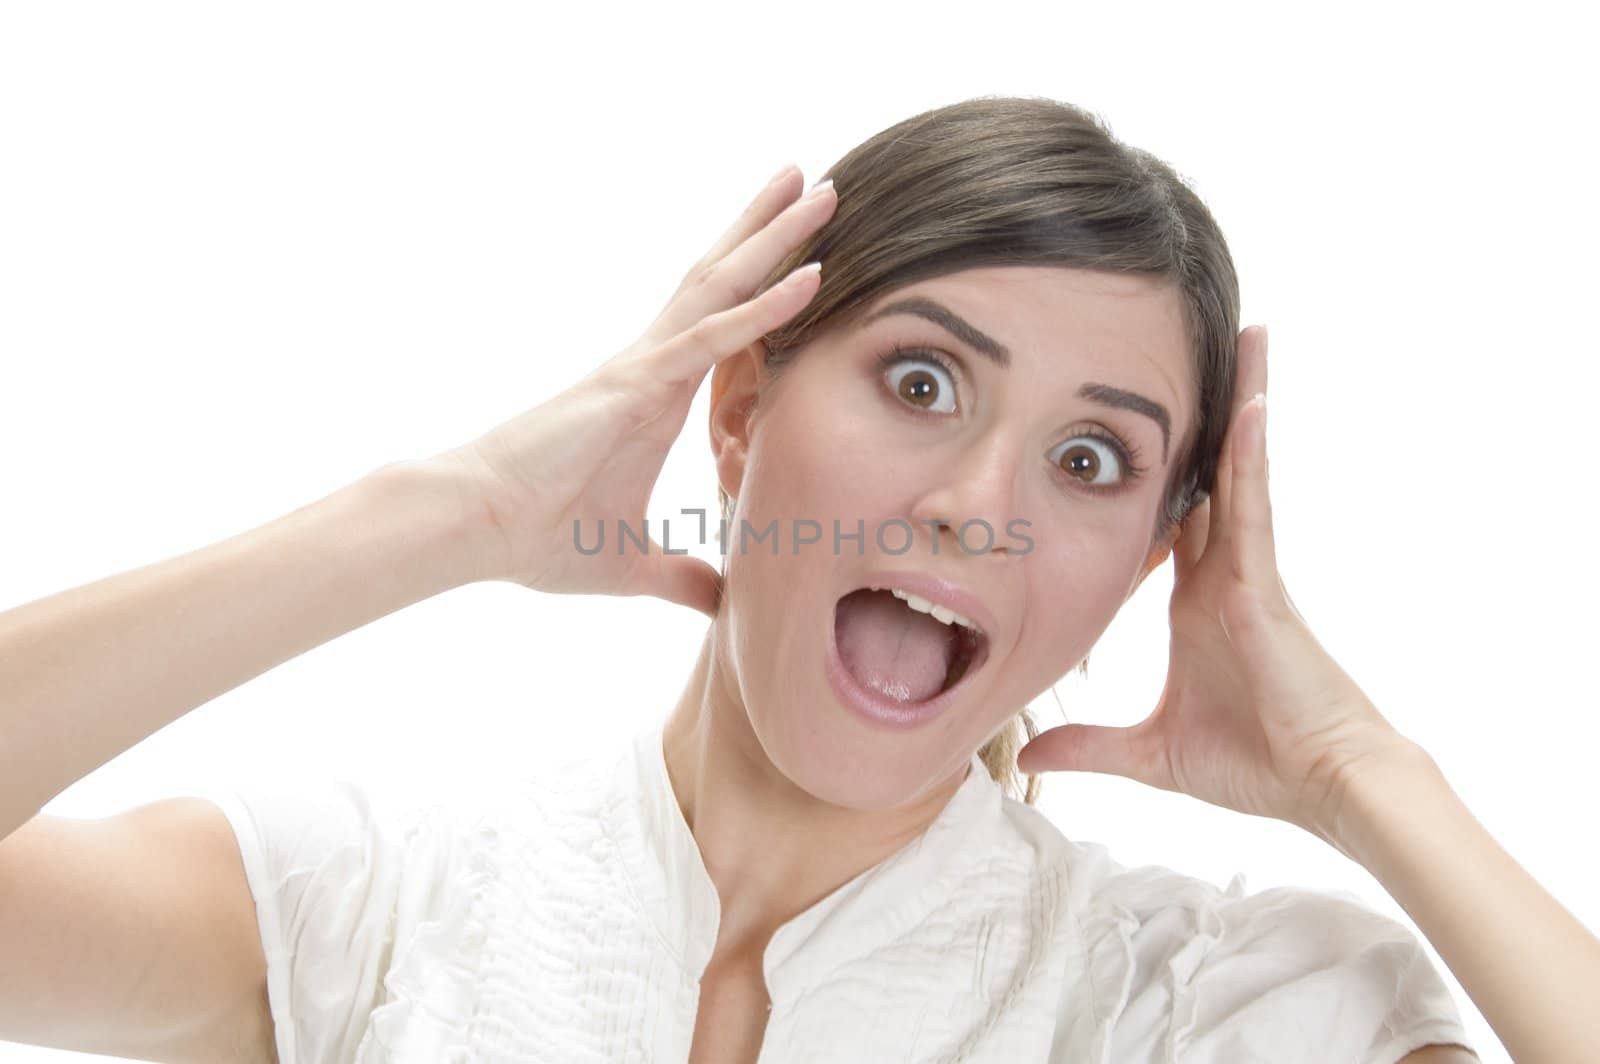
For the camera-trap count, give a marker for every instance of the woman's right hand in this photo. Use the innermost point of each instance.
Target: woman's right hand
(592, 454)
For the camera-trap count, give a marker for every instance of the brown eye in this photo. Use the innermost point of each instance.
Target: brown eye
(1088, 457)
(919, 387)
(923, 383)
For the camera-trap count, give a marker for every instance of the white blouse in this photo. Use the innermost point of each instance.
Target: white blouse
(570, 919)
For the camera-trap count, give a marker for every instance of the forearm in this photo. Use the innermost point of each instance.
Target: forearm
(91, 671)
(1529, 965)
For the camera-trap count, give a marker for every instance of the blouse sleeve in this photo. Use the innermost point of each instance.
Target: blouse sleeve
(1283, 975)
(324, 865)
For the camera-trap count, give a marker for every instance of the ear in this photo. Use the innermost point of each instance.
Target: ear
(735, 384)
(1158, 554)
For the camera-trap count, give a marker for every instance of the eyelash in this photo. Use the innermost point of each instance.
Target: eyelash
(1127, 454)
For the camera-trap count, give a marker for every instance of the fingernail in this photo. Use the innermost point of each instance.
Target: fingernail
(773, 180)
(797, 275)
(816, 190)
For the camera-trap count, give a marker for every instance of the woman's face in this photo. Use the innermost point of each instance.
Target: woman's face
(838, 436)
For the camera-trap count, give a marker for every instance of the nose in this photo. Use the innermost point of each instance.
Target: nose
(972, 504)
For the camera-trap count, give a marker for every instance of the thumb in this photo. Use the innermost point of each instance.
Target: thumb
(1084, 748)
(686, 580)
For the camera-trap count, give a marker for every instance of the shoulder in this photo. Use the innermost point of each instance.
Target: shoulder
(368, 899)
(339, 872)
(1028, 844)
(1285, 974)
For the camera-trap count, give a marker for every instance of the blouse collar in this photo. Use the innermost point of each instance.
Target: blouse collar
(663, 865)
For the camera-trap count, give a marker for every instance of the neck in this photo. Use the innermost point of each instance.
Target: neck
(772, 849)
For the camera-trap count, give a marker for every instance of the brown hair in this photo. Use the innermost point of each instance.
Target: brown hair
(1025, 181)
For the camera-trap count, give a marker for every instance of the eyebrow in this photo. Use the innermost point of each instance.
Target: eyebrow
(996, 352)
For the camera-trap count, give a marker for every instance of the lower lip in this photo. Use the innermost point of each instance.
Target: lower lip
(880, 710)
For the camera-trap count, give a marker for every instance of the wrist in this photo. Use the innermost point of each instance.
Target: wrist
(456, 540)
(1370, 789)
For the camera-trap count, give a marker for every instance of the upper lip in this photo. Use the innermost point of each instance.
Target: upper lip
(937, 590)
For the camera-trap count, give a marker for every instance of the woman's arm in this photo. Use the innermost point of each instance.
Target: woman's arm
(87, 673)
(1528, 964)
(91, 671)
(1257, 716)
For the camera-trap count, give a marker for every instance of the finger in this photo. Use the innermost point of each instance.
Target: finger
(687, 356)
(1222, 493)
(1191, 545)
(734, 277)
(1093, 748)
(685, 580)
(1260, 384)
(778, 194)
(1250, 373)
(1249, 368)
(1249, 520)
(771, 201)
(1254, 552)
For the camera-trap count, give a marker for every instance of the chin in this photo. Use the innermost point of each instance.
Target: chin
(832, 764)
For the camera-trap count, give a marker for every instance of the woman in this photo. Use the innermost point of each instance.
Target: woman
(1017, 389)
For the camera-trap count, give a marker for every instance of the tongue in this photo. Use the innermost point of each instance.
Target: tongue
(891, 648)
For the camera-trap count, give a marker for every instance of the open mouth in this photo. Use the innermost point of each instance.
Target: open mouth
(903, 647)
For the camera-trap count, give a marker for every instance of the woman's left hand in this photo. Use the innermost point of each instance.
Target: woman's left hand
(1255, 715)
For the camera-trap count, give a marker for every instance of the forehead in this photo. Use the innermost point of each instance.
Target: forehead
(1127, 329)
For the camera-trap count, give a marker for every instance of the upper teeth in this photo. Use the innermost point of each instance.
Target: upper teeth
(922, 605)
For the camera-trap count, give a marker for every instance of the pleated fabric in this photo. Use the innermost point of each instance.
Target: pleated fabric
(568, 918)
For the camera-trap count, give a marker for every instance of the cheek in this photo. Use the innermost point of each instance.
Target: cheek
(1073, 595)
(821, 471)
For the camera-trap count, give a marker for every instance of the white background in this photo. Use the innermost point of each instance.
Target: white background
(248, 253)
